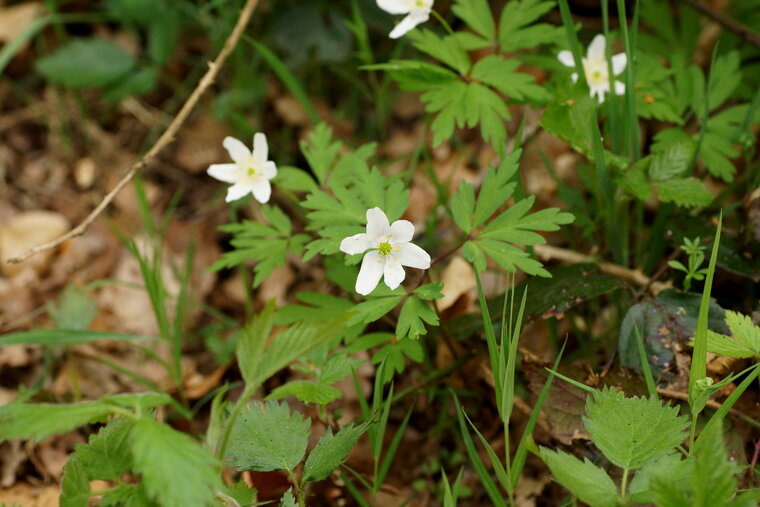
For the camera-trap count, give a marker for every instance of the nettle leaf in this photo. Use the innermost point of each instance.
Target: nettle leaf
(477, 15)
(84, 63)
(445, 49)
(268, 437)
(517, 29)
(410, 320)
(393, 352)
(635, 181)
(631, 432)
(673, 161)
(37, 421)
(265, 244)
(684, 192)
(307, 392)
(670, 468)
(331, 451)
(157, 449)
(107, 454)
(744, 344)
(75, 484)
(713, 481)
(583, 479)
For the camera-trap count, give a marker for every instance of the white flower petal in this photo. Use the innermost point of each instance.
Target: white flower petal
(574, 77)
(618, 63)
(237, 150)
(394, 273)
(619, 88)
(262, 190)
(402, 231)
(566, 58)
(599, 90)
(370, 273)
(393, 6)
(356, 244)
(223, 172)
(260, 148)
(413, 19)
(596, 48)
(270, 170)
(413, 256)
(377, 223)
(237, 191)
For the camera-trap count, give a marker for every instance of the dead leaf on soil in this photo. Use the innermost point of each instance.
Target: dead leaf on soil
(17, 18)
(24, 231)
(458, 281)
(30, 496)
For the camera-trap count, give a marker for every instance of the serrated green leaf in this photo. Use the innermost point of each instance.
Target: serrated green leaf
(429, 291)
(373, 309)
(331, 451)
(673, 162)
(726, 346)
(106, 456)
(684, 192)
(445, 49)
(252, 341)
(477, 15)
(474, 256)
(158, 449)
(744, 329)
(320, 150)
(516, 29)
(307, 392)
(631, 432)
(295, 179)
(37, 421)
(75, 484)
(463, 205)
(85, 63)
(497, 187)
(129, 495)
(410, 320)
(510, 257)
(393, 356)
(268, 438)
(73, 310)
(583, 479)
(634, 180)
(241, 492)
(288, 500)
(713, 482)
(500, 73)
(670, 468)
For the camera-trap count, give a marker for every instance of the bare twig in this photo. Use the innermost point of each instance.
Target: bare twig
(726, 22)
(546, 252)
(678, 395)
(166, 138)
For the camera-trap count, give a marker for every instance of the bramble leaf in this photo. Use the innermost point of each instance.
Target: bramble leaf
(632, 432)
(583, 479)
(268, 437)
(331, 451)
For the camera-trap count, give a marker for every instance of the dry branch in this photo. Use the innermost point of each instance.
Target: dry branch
(162, 142)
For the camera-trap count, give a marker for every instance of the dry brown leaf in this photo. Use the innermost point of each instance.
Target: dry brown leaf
(200, 144)
(24, 231)
(291, 111)
(17, 18)
(30, 496)
(458, 280)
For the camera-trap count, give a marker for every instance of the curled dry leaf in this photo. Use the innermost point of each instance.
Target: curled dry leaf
(24, 231)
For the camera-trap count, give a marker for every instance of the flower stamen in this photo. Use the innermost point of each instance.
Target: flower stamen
(384, 248)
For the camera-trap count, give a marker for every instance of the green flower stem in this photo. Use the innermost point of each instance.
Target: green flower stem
(624, 484)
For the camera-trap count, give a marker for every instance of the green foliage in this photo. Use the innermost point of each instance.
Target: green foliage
(411, 320)
(266, 244)
(268, 438)
(37, 421)
(74, 309)
(746, 338)
(331, 451)
(500, 237)
(85, 63)
(325, 370)
(156, 449)
(632, 432)
(583, 479)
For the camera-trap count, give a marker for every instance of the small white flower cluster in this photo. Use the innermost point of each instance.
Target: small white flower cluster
(389, 243)
(595, 68)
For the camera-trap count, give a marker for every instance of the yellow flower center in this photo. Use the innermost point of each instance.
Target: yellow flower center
(250, 168)
(384, 248)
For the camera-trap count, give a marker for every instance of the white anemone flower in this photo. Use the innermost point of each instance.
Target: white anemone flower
(595, 67)
(391, 249)
(417, 11)
(250, 172)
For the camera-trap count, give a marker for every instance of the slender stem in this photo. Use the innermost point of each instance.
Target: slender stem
(442, 21)
(726, 22)
(247, 393)
(624, 484)
(692, 434)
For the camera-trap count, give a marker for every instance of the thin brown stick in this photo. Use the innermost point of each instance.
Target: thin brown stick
(162, 142)
(678, 395)
(726, 22)
(546, 252)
